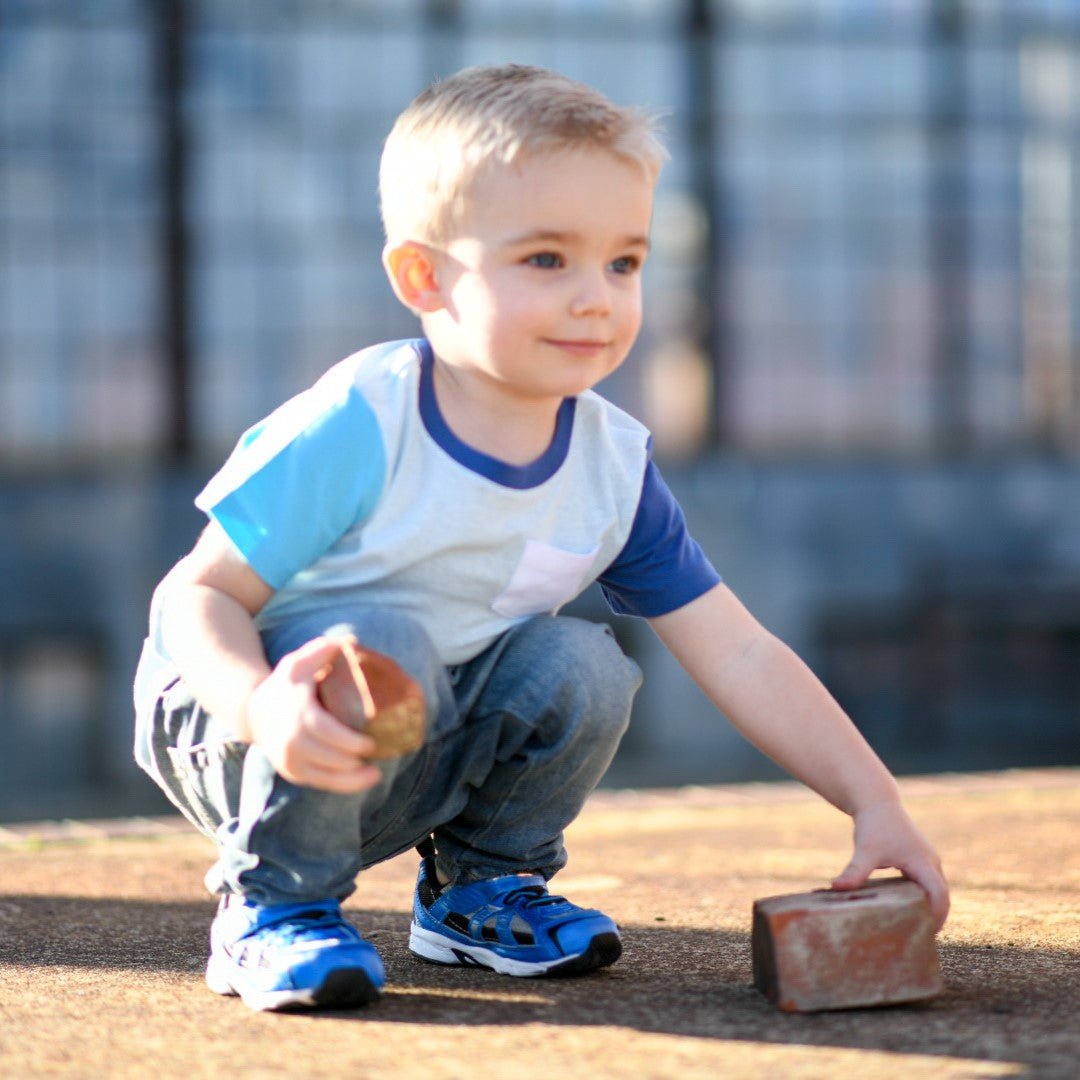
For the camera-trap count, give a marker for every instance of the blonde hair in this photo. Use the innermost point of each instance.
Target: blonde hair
(496, 113)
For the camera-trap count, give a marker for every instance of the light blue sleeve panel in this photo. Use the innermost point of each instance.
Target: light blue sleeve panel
(300, 478)
(661, 567)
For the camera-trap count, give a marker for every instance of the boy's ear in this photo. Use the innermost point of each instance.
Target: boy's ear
(410, 266)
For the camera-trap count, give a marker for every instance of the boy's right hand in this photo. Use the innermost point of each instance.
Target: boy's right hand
(304, 743)
(886, 838)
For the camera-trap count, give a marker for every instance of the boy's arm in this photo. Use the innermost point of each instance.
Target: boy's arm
(777, 703)
(209, 601)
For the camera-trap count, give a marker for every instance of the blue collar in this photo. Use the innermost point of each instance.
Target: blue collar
(512, 476)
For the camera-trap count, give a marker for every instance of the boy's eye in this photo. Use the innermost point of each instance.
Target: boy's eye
(626, 264)
(546, 260)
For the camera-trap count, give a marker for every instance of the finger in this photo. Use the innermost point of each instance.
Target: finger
(308, 751)
(307, 661)
(932, 880)
(353, 781)
(929, 877)
(329, 742)
(939, 905)
(853, 876)
(338, 736)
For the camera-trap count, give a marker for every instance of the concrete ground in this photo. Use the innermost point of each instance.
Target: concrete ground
(103, 941)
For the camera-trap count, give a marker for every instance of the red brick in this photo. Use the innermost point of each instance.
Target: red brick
(841, 950)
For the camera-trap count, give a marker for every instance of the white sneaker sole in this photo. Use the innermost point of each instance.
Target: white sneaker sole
(341, 988)
(262, 1001)
(437, 949)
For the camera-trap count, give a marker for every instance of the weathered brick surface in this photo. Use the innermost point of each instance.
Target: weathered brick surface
(840, 950)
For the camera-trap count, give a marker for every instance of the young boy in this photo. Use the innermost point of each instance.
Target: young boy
(439, 499)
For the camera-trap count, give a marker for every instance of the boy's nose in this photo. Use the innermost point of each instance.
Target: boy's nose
(592, 296)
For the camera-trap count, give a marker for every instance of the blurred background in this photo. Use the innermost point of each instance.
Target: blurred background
(861, 360)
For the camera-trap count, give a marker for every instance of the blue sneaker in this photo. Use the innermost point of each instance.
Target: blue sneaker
(509, 924)
(291, 956)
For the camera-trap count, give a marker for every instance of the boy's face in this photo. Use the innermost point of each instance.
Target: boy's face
(540, 290)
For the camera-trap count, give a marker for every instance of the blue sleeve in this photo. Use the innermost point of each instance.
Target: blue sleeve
(299, 479)
(661, 567)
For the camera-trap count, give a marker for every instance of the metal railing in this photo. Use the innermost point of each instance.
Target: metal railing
(865, 240)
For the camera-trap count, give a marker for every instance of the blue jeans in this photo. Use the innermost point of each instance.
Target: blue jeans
(517, 738)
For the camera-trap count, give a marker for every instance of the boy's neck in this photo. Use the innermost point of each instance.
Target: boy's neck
(513, 429)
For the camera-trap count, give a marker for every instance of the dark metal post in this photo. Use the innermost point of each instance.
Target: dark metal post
(442, 38)
(701, 25)
(171, 35)
(949, 240)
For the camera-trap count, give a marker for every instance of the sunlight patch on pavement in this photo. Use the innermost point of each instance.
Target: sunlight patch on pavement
(586, 883)
(504, 997)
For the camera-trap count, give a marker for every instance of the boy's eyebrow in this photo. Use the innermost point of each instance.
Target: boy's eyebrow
(565, 236)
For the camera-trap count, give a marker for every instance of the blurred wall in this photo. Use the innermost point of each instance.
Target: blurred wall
(860, 359)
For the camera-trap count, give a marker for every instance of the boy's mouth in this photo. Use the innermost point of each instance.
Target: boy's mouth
(578, 346)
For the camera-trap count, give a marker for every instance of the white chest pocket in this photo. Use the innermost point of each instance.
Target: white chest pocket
(544, 578)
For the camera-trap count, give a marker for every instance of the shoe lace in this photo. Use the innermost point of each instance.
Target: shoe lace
(303, 925)
(531, 896)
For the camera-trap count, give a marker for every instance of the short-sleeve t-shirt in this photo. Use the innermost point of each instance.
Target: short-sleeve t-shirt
(357, 492)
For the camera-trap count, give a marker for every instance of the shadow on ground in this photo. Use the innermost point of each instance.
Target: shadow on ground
(670, 981)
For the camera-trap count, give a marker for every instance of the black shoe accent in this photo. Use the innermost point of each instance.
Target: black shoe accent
(465, 960)
(457, 922)
(604, 949)
(424, 890)
(345, 988)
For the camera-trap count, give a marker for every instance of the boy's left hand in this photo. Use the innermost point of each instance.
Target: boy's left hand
(886, 838)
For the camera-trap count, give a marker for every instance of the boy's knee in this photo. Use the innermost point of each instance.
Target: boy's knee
(389, 632)
(593, 645)
(586, 664)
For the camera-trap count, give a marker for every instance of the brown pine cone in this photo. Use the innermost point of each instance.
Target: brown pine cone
(371, 693)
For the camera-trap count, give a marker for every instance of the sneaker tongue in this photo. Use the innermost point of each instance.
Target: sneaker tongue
(311, 915)
(524, 885)
(532, 894)
(305, 915)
